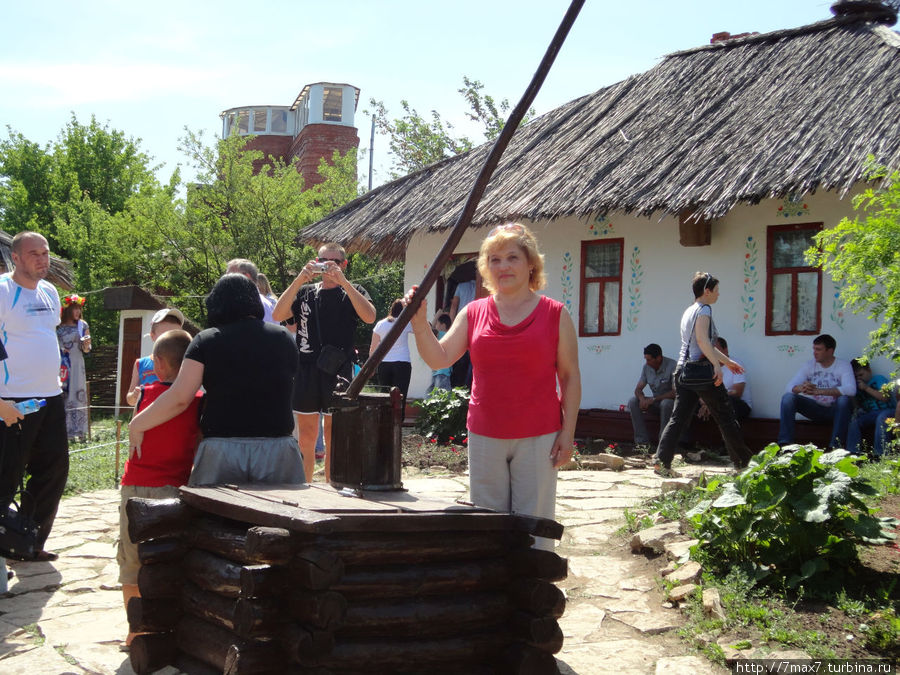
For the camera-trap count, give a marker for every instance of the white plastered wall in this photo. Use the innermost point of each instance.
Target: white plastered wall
(656, 278)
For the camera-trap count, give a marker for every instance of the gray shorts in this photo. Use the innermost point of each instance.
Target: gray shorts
(247, 460)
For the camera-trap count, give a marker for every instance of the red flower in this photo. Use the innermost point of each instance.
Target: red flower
(451, 438)
(434, 440)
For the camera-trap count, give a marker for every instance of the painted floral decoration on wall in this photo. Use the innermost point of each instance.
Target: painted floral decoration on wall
(837, 307)
(599, 349)
(751, 283)
(601, 226)
(565, 279)
(634, 289)
(790, 350)
(793, 205)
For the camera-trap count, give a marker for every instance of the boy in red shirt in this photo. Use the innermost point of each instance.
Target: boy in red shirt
(166, 456)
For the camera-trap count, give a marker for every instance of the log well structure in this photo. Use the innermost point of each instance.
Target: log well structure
(312, 579)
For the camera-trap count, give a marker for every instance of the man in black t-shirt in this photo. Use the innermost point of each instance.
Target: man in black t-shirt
(325, 315)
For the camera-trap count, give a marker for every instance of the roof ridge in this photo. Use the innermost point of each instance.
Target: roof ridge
(819, 26)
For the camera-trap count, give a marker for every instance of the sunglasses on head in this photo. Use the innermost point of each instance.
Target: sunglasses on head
(508, 227)
(709, 277)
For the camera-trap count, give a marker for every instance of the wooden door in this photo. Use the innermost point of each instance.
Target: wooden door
(131, 351)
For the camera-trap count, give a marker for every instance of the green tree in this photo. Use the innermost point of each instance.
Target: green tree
(86, 161)
(415, 141)
(862, 255)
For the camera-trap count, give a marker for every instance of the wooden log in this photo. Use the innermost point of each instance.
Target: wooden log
(219, 536)
(538, 564)
(379, 548)
(437, 616)
(203, 640)
(315, 568)
(522, 659)
(272, 545)
(150, 652)
(160, 581)
(318, 609)
(152, 615)
(210, 643)
(542, 632)
(152, 518)
(538, 597)
(538, 527)
(165, 549)
(249, 659)
(406, 581)
(405, 655)
(304, 645)
(259, 581)
(209, 606)
(212, 573)
(258, 617)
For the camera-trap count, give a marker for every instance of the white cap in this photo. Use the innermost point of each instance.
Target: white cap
(167, 311)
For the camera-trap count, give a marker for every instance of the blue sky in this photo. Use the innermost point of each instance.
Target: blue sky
(150, 69)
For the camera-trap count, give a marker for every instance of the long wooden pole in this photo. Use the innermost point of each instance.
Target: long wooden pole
(465, 217)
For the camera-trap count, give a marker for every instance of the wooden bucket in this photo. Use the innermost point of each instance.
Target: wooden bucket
(365, 441)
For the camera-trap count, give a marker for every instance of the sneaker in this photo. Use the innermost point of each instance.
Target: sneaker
(662, 470)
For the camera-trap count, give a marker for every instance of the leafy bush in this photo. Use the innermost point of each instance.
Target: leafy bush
(793, 514)
(442, 415)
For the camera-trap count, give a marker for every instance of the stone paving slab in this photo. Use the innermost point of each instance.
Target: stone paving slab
(614, 620)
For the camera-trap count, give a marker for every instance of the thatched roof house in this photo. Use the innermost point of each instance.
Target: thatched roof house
(737, 121)
(60, 273)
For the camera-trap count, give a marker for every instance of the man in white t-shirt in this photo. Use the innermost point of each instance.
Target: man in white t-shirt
(822, 391)
(736, 385)
(251, 271)
(29, 314)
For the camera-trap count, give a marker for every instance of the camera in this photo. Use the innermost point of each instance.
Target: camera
(319, 267)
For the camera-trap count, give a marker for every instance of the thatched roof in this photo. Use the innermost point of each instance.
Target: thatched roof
(60, 273)
(738, 121)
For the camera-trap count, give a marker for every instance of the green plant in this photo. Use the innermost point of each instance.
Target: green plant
(795, 515)
(442, 415)
(635, 522)
(882, 631)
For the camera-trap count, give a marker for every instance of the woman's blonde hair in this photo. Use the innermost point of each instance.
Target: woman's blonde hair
(521, 236)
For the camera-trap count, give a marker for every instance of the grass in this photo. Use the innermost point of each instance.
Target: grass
(92, 465)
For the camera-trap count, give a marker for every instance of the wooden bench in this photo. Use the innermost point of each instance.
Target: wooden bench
(615, 425)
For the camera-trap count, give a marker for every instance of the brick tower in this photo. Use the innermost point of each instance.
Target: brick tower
(319, 122)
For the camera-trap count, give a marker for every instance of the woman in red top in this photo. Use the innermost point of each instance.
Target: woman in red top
(521, 425)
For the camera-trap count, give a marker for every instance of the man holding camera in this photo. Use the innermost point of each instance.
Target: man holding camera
(29, 314)
(325, 315)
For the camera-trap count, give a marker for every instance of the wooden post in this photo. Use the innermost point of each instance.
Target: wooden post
(118, 441)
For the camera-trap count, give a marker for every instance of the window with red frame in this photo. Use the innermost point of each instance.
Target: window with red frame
(793, 287)
(601, 287)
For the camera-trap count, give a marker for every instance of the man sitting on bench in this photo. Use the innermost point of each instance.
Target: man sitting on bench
(822, 391)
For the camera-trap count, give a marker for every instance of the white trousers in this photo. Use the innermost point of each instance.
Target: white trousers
(514, 475)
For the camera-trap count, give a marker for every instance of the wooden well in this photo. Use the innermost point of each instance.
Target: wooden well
(312, 579)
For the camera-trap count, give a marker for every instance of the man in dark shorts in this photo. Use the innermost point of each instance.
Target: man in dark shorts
(325, 315)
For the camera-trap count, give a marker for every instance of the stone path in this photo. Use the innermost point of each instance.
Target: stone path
(67, 616)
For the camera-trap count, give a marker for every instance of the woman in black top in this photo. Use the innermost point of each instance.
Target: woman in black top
(246, 367)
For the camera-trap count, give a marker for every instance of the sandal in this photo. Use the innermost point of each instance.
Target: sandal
(45, 556)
